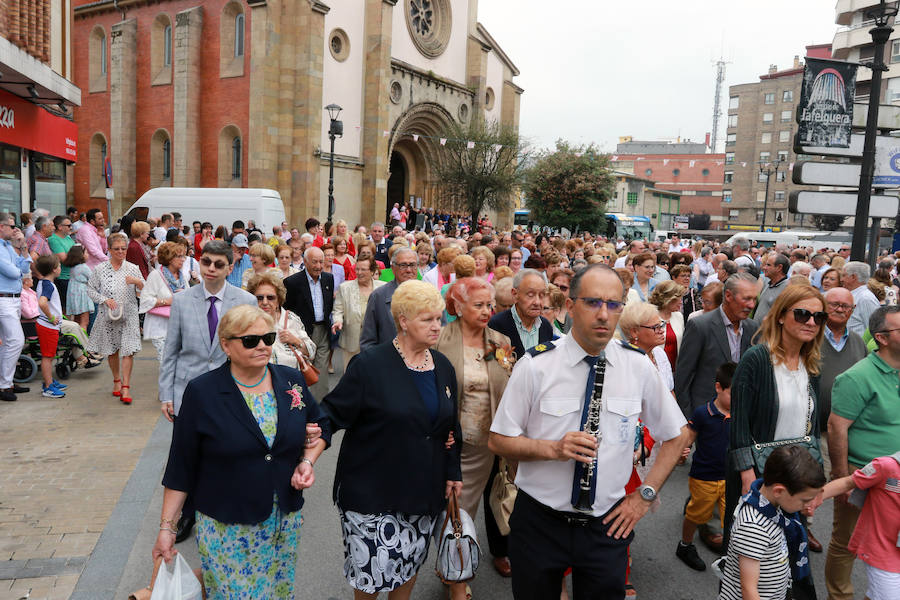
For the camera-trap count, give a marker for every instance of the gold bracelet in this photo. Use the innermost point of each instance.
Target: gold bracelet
(171, 522)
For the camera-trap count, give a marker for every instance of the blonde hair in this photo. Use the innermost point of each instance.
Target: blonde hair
(139, 228)
(414, 297)
(268, 278)
(771, 331)
(665, 292)
(464, 265)
(838, 263)
(263, 251)
(487, 254)
(634, 316)
(446, 255)
(240, 318)
(502, 273)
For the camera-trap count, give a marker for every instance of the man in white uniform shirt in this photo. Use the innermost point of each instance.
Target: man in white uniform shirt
(539, 423)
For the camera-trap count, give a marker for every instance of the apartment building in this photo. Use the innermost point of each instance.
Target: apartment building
(853, 43)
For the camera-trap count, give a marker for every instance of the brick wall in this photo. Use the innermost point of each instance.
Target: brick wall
(26, 23)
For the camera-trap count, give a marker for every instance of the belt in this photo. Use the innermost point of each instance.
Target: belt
(571, 518)
(7, 295)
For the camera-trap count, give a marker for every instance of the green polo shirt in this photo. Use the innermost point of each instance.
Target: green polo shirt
(61, 244)
(868, 393)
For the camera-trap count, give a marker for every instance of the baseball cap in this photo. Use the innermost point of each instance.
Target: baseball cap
(240, 240)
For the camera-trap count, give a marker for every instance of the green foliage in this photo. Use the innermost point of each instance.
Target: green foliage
(569, 187)
(828, 222)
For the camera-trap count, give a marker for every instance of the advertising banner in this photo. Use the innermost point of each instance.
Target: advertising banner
(29, 126)
(825, 110)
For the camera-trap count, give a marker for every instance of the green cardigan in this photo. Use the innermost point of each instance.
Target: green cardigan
(754, 405)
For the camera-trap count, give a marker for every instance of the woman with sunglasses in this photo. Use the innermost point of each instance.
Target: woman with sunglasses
(270, 295)
(774, 392)
(239, 447)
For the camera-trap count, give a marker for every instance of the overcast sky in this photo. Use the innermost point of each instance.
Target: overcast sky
(594, 70)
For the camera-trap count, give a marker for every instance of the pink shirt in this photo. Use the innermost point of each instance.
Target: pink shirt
(94, 245)
(876, 535)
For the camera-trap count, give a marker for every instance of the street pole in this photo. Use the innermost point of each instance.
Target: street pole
(881, 33)
(335, 129)
(768, 171)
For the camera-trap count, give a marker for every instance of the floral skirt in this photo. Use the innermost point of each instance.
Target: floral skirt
(249, 561)
(382, 552)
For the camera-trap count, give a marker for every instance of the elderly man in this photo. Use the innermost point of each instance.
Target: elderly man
(635, 247)
(714, 338)
(14, 263)
(856, 276)
(571, 509)
(864, 424)
(378, 324)
(240, 249)
(523, 323)
(820, 264)
(775, 269)
(741, 253)
(841, 348)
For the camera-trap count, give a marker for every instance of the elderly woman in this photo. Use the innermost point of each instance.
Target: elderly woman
(482, 360)
(367, 250)
(115, 284)
(627, 277)
(501, 256)
(284, 255)
(156, 298)
(443, 273)
(261, 257)
(245, 477)
(642, 326)
(644, 266)
(484, 262)
(774, 391)
(138, 252)
(668, 297)
(681, 274)
(270, 294)
(515, 259)
(831, 279)
(350, 306)
(397, 401)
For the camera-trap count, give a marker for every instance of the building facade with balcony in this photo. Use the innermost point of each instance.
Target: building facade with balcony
(761, 125)
(852, 42)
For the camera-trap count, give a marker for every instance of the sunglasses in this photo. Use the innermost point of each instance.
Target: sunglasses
(218, 264)
(252, 341)
(269, 297)
(801, 315)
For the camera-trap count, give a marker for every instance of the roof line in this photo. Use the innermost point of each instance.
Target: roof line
(496, 47)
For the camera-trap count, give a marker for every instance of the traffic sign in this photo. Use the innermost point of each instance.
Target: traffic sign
(888, 116)
(840, 203)
(854, 151)
(107, 171)
(840, 174)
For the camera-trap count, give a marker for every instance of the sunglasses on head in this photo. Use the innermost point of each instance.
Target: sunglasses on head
(252, 341)
(801, 315)
(218, 264)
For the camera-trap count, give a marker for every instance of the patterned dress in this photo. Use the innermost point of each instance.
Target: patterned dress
(77, 299)
(251, 561)
(108, 336)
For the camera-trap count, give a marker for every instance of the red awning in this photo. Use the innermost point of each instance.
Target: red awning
(29, 126)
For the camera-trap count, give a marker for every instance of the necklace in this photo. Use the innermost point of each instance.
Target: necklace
(265, 372)
(424, 366)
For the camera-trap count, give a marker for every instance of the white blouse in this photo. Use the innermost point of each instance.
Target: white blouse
(793, 402)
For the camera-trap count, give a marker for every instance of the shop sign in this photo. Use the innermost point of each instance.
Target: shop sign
(29, 126)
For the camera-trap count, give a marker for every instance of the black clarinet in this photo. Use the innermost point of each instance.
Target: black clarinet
(592, 428)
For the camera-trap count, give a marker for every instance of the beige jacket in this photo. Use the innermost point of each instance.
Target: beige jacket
(349, 312)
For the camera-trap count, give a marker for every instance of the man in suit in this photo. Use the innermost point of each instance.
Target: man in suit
(714, 338)
(310, 295)
(382, 244)
(378, 324)
(192, 345)
(523, 323)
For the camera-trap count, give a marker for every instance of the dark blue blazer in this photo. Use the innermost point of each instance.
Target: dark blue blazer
(220, 457)
(504, 323)
(392, 456)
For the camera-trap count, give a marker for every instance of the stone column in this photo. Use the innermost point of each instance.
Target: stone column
(376, 114)
(123, 112)
(476, 73)
(186, 98)
(509, 106)
(261, 153)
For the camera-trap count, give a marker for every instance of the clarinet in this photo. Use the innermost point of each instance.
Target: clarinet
(592, 428)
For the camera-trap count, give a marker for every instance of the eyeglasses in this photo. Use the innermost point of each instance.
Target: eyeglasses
(598, 303)
(267, 297)
(65, 224)
(218, 264)
(406, 265)
(888, 330)
(801, 315)
(658, 328)
(840, 306)
(252, 341)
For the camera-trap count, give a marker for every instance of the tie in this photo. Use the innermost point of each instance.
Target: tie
(593, 391)
(212, 318)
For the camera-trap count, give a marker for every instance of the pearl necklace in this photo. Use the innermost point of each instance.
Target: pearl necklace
(426, 364)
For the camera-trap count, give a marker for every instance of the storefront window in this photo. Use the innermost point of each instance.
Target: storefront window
(49, 184)
(10, 181)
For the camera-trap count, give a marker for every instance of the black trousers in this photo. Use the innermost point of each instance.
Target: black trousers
(497, 542)
(543, 544)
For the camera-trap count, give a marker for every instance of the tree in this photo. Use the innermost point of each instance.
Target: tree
(569, 187)
(828, 222)
(486, 175)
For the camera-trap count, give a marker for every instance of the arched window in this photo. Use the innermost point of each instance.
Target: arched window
(167, 46)
(103, 57)
(231, 157)
(239, 34)
(236, 158)
(103, 160)
(97, 60)
(97, 154)
(167, 159)
(160, 159)
(161, 50)
(232, 39)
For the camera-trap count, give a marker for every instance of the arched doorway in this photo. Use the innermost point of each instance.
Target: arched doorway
(397, 183)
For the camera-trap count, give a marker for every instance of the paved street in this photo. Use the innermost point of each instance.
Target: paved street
(80, 502)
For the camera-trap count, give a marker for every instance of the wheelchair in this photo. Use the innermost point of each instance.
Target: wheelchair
(30, 357)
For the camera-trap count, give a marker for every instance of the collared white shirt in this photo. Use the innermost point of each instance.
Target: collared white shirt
(544, 400)
(315, 290)
(734, 339)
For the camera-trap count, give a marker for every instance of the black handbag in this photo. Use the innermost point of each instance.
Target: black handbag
(762, 451)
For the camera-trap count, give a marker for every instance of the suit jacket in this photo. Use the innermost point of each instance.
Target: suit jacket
(504, 323)
(346, 312)
(299, 297)
(220, 457)
(704, 348)
(392, 457)
(378, 324)
(189, 353)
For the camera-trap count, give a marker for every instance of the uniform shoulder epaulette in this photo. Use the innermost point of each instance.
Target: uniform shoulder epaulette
(541, 348)
(632, 347)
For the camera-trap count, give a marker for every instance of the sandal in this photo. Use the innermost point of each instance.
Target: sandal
(125, 399)
(115, 393)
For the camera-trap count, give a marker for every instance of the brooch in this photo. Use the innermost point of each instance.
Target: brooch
(296, 394)
(504, 355)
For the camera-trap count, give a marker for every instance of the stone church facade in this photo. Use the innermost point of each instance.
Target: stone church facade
(232, 93)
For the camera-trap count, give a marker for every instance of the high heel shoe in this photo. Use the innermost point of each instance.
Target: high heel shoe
(125, 399)
(115, 393)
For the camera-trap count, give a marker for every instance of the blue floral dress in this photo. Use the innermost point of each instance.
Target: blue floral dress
(251, 561)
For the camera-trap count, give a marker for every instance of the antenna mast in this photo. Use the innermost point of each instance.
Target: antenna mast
(717, 105)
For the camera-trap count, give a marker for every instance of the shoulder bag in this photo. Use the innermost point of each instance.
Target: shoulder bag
(310, 373)
(762, 451)
(458, 550)
(503, 495)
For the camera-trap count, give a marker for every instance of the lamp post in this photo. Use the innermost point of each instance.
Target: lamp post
(881, 33)
(335, 129)
(768, 169)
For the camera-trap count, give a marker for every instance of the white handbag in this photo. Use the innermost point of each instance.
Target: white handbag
(457, 546)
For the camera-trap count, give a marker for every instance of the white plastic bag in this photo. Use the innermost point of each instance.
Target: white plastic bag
(179, 583)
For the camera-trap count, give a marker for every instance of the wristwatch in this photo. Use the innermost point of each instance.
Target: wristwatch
(648, 493)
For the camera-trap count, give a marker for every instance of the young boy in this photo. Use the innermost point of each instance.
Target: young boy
(709, 427)
(48, 268)
(768, 547)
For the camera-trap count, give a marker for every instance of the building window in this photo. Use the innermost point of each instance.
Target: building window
(729, 177)
(231, 40)
(705, 172)
(231, 157)
(97, 158)
(734, 102)
(97, 66)
(730, 140)
(893, 89)
(764, 156)
(780, 176)
(648, 172)
(762, 177)
(784, 135)
(160, 159)
(239, 35)
(732, 120)
(786, 116)
(726, 195)
(779, 216)
(161, 50)
(429, 25)
(787, 96)
(167, 46)
(632, 197)
(236, 158)
(768, 117)
(779, 196)
(765, 138)
(729, 158)
(734, 214)
(798, 218)
(759, 215)
(783, 155)
(167, 159)
(769, 98)
(676, 172)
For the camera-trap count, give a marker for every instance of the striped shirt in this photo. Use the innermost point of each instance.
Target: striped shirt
(759, 538)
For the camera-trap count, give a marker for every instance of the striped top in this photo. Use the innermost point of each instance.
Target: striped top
(757, 537)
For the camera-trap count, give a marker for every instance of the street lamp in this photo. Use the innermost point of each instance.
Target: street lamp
(881, 33)
(768, 169)
(335, 129)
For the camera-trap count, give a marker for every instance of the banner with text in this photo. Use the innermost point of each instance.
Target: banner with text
(825, 111)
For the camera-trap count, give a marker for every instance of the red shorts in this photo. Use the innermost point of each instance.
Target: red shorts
(49, 339)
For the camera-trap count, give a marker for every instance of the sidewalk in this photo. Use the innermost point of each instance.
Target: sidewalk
(63, 468)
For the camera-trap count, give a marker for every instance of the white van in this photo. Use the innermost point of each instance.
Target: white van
(219, 206)
(765, 238)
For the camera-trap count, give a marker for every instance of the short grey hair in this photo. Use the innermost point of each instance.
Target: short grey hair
(377, 224)
(878, 319)
(395, 259)
(732, 283)
(519, 277)
(311, 250)
(5, 216)
(40, 222)
(742, 243)
(307, 238)
(705, 251)
(858, 269)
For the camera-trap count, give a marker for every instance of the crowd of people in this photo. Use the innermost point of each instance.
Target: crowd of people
(472, 354)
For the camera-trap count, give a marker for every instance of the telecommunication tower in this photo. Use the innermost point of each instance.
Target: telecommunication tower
(717, 105)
